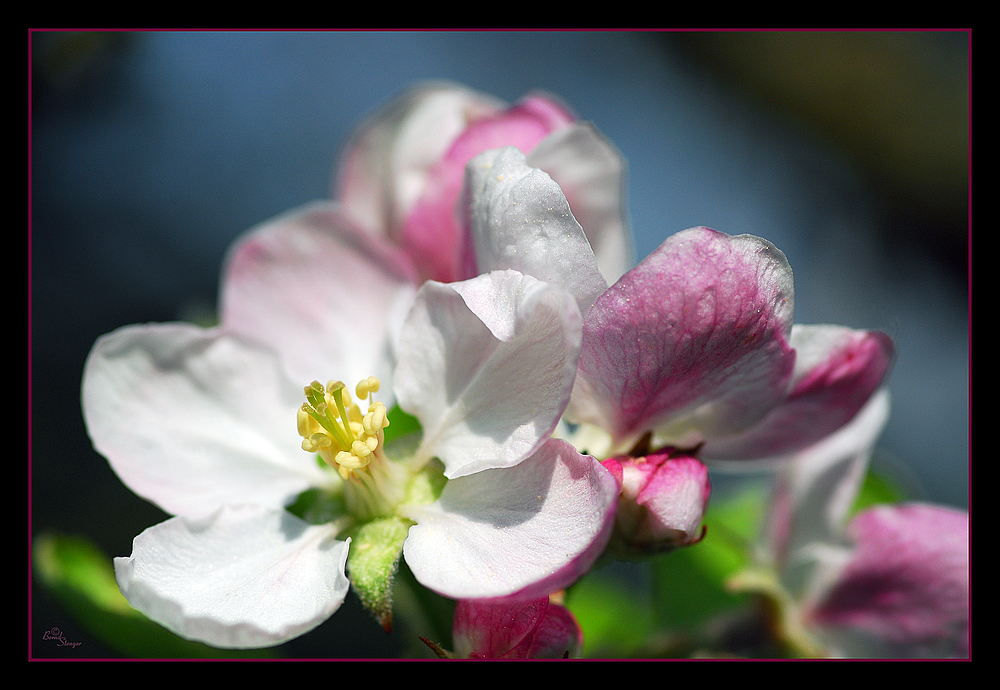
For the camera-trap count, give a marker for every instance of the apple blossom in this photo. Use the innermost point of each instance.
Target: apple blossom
(324, 290)
(893, 581)
(401, 176)
(695, 345)
(214, 426)
(403, 168)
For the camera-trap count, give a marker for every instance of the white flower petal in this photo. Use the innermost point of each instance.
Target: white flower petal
(321, 292)
(528, 530)
(241, 578)
(520, 219)
(590, 170)
(193, 419)
(816, 490)
(487, 366)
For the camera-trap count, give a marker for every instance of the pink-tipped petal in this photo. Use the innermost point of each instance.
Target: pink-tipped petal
(433, 231)
(906, 586)
(320, 292)
(487, 366)
(520, 220)
(241, 578)
(692, 341)
(837, 370)
(818, 486)
(663, 499)
(527, 531)
(386, 165)
(193, 419)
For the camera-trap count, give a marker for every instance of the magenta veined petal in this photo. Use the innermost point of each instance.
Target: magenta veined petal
(693, 341)
(837, 370)
(907, 583)
(515, 629)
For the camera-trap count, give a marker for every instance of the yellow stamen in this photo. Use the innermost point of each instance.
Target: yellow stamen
(332, 425)
(367, 386)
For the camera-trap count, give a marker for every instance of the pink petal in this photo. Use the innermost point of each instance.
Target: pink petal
(676, 496)
(692, 341)
(433, 229)
(907, 584)
(837, 370)
(528, 530)
(663, 499)
(387, 163)
(320, 292)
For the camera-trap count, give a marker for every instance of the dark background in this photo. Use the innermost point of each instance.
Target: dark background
(151, 152)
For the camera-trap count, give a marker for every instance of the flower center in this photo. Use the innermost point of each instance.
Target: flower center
(332, 425)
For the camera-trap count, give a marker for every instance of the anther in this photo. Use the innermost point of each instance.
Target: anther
(367, 386)
(332, 425)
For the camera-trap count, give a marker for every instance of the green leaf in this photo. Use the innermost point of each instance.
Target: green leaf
(616, 619)
(690, 583)
(877, 490)
(82, 579)
(400, 424)
(373, 561)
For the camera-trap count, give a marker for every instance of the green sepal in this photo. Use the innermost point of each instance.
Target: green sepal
(374, 558)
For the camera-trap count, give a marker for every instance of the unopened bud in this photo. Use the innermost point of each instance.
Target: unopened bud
(662, 501)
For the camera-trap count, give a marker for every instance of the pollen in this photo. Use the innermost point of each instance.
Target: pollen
(332, 425)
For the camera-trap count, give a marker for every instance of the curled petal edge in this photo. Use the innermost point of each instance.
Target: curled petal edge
(242, 578)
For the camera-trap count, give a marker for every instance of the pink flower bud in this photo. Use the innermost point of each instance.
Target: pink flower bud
(663, 497)
(512, 629)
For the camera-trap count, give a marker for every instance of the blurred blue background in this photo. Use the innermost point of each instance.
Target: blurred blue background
(151, 152)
